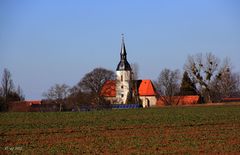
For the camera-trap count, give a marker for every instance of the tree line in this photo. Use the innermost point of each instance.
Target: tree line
(8, 92)
(86, 92)
(204, 75)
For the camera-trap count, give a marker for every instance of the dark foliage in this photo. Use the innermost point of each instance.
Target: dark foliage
(92, 84)
(187, 86)
(7, 92)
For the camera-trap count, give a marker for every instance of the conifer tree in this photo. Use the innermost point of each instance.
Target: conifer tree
(187, 86)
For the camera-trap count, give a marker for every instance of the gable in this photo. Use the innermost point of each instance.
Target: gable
(146, 88)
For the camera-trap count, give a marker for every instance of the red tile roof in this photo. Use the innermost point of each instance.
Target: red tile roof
(145, 88)
(109, 89)
(179, 100)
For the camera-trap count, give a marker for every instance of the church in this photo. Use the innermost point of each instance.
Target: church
(125, 89)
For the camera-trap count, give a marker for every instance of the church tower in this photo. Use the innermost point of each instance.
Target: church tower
(123, 77)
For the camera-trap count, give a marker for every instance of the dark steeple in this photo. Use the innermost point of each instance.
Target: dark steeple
(123, 64)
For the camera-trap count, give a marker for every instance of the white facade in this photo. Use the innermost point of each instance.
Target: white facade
(123, 86)
(148, 101)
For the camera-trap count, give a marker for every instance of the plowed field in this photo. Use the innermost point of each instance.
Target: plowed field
(193, 130)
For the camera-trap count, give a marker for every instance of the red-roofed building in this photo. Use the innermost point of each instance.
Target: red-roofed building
(125, 89)
(108, 91)
(146, 88)
(146, 92)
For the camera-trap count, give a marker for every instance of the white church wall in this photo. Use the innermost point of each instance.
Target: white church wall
(152, 100)
(123, 85)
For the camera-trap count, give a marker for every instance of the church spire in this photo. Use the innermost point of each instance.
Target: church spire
(123, 50)
(123, 64)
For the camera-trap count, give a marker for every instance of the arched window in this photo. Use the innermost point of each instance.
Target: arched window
(121, 77)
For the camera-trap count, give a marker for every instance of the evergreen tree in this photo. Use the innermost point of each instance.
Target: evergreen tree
(187, 86)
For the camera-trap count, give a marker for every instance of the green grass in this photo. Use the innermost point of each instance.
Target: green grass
(213, 129)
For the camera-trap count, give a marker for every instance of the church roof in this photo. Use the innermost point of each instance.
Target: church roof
(145, 88)
(123, 64)
(109, 89)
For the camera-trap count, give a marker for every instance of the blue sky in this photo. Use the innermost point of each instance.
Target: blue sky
(52, 41)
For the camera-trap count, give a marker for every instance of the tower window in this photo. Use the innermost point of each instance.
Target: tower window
(122, 95)
(121, 78)
(122, 87)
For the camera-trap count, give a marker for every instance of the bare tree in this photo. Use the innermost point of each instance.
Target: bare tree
(79, 99)
(168, 84)
(93, 81)
(7, 84)
(58, 93)
(1, 92)
(203, 70)
(20, 93)
(227, 86)
(2, 103)
(135, 71)
(7, 88)
(134, 97)
(7, 91)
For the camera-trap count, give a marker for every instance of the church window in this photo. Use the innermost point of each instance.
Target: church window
(122, 95)
(122, 87)
(121, 78)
